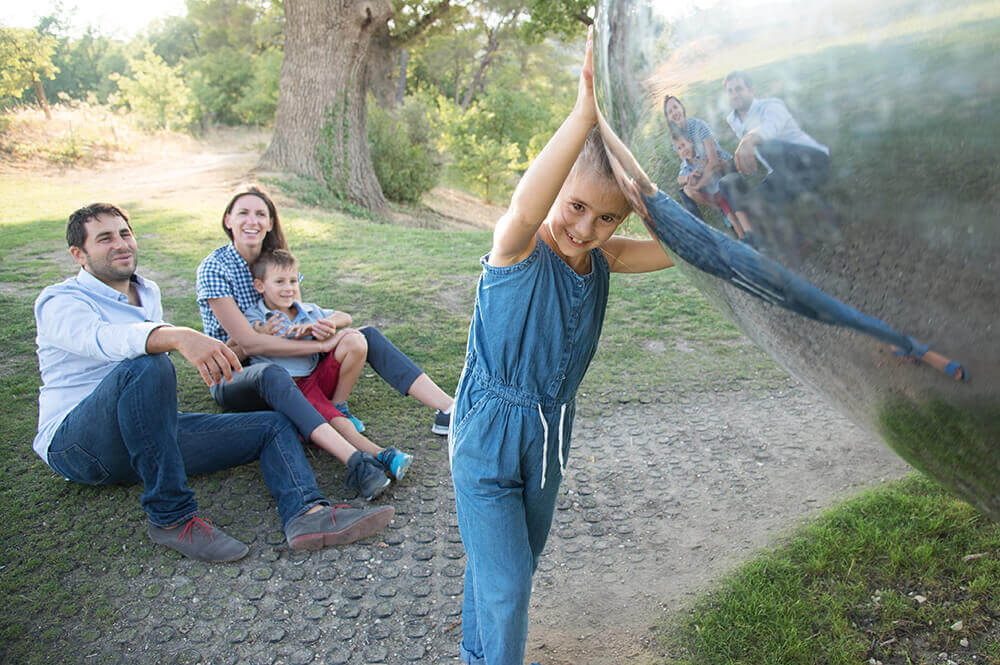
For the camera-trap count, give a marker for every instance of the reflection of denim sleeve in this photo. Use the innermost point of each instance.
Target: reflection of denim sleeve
(742, 266)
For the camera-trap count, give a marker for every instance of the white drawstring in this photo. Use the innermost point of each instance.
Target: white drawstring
(545, 442)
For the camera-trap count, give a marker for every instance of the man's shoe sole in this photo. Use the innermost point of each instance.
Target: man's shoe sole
(438, 429)
(367, 526)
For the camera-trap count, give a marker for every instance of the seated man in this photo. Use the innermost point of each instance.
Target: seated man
(107, 409)
(796, 163)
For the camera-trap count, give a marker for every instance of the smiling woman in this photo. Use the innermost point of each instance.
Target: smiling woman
(227, 295)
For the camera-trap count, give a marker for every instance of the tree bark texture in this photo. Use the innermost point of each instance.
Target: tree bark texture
(332, 50)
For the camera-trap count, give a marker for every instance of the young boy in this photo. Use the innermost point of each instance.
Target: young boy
(691, 179)
(538, 315)
(325, 382)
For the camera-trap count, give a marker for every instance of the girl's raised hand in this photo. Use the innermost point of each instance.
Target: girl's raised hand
(586, 104)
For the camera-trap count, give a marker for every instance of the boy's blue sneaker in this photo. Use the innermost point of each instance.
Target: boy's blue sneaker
(442, 421)
(396, 462)
(346, 412)
(366, 475)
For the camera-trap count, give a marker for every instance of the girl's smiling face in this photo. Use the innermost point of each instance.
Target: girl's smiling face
(586, 213)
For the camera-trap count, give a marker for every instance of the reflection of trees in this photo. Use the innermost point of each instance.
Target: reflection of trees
(622, 63)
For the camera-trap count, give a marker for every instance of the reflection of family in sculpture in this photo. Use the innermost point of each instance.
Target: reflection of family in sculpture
(795, 162)
(108, 405)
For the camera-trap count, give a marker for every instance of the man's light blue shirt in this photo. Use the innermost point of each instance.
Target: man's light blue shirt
(85, 328)
(306, 312)
(771, 119)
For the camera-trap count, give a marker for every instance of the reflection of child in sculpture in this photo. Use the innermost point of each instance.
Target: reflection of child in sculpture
(745, 268)
(702, 187)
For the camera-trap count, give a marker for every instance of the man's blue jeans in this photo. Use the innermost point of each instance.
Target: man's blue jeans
(129, 430)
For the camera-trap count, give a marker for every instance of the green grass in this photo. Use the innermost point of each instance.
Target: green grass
(843, 589)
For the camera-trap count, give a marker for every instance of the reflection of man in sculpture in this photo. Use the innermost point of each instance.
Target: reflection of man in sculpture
(795, 162)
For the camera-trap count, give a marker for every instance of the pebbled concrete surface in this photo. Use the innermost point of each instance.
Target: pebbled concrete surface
(662, 494)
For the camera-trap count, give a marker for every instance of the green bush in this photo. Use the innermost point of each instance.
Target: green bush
(156, 92)
(402, 150)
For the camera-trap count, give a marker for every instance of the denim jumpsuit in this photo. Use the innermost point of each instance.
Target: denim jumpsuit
(534, 331)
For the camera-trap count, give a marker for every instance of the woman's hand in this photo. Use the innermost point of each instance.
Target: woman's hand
(330, 343)
(237, 349)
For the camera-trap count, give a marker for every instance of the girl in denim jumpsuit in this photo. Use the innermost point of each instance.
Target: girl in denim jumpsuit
(539, 309)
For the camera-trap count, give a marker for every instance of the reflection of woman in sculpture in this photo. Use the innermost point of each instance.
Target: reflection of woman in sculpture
(717, 162)
(742, 266)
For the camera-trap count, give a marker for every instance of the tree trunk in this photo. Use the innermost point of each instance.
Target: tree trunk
(330, 47)
(404, 58)
(43, 101)
(477, 81)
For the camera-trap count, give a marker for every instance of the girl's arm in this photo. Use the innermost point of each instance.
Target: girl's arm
(254, 343)
(514, 236)
(627, 254)
(631, 255)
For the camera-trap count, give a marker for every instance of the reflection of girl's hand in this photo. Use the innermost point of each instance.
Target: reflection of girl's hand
(746, 161)
(631, 191)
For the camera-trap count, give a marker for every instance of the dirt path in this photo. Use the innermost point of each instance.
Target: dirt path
(662, 498)
(205, 172)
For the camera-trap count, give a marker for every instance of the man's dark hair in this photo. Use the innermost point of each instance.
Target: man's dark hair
(76, 231)
(281, 258)
(737, 74)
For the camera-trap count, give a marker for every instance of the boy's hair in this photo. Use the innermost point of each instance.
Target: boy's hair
(737, 74)
(76, 230)
(594, 156)
(281, 258)
(273, 239)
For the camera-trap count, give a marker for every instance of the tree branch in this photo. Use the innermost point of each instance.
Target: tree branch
(420, 27)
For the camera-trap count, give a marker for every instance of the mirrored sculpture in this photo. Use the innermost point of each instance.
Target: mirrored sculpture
(833, 178)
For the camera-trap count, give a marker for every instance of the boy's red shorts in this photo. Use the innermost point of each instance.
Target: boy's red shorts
(318, 387)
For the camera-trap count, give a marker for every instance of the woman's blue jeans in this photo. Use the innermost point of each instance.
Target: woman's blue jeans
(129, 430)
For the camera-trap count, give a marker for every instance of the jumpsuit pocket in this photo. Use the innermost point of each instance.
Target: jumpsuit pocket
(78, 465)
(480, 398)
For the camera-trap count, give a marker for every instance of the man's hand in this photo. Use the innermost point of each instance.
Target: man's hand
(746, 160)
(214, 360)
